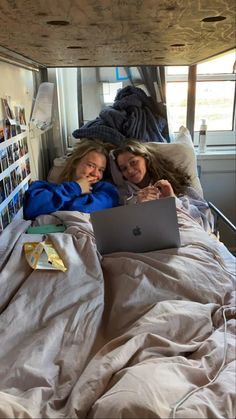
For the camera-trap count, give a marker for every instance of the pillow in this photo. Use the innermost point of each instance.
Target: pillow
(181, 153)
(56, 171)
(184, 137)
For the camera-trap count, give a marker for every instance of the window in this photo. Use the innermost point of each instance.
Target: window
(109, 91)
(215, 97)
(176, 96)
(215, 93)
(214, 102)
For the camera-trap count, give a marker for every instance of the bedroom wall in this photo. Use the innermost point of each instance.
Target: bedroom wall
(16, 83)
(218, 179)
(21, 150)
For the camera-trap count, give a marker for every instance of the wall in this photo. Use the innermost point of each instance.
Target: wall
(65, 109)
(17, 83)
(218, 168)
(22, 147)
(91, 94)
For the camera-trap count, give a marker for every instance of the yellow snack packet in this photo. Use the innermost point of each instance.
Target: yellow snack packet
(42, 255)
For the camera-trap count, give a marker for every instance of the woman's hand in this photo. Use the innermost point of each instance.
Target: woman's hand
(165, 188)
(161, 189)
(85, 184)
(150, 193)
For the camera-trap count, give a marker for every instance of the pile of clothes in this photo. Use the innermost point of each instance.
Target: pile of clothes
(132, 115)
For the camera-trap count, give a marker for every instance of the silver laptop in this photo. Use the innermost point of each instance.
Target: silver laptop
(142, 227)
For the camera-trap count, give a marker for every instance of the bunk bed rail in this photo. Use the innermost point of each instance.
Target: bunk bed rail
(218, 215)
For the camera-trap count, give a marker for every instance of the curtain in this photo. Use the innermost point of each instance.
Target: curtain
(154, 80)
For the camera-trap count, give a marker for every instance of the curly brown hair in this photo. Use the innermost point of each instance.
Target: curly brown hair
(157, 167)
(85, 146)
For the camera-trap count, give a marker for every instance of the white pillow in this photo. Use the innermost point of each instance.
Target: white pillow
(181, 153)
(184, 137)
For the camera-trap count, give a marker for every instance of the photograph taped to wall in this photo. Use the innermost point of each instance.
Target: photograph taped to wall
(2, 192)
(8, 111)
(13, 130)
(16, 202)
(27, 164)
(18, 175)
(1, 226)
(23, 170)
(21, 148)
(5, 217)
(11, 210)
(2, 136)
(25, 145)
(16, 151)
(10, 154)
(7, 129)
(4, 159)
(14, 179)
(7, 185)
(20, 119)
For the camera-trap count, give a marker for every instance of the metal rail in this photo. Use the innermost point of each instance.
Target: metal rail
(219, 215)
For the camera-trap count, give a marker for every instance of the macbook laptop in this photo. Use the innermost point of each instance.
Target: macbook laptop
(142, 227)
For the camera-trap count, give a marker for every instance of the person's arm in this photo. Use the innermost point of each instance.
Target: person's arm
(45, 197)
(103, 195)
(196, 206)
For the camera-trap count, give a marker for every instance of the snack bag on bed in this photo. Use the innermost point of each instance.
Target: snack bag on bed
(42, 255)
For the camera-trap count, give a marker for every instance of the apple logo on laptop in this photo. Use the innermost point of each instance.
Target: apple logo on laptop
(137, 231)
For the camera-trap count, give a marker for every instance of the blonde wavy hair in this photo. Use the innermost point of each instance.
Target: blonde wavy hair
(85, 146)
(157, 167)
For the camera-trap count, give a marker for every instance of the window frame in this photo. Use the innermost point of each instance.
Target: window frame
(214, 138)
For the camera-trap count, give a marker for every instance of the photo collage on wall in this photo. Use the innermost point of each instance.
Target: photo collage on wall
(15, 174)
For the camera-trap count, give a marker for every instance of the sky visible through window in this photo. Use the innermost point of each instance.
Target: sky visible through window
(214, 99)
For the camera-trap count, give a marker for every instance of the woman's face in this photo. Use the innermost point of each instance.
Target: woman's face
(132, 167)
(91, 166)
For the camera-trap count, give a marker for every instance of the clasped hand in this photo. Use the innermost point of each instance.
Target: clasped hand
(86, 184)
(161, 189)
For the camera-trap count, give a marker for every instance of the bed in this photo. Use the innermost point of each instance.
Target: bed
(126, 335)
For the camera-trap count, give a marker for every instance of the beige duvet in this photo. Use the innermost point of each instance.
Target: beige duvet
(148, 335)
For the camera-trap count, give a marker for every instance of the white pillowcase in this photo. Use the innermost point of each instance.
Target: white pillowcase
(181, 153)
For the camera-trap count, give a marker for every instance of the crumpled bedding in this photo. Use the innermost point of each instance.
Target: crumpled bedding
(129, 335)
(132, 115)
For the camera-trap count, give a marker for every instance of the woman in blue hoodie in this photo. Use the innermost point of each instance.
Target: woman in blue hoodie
(81, 188)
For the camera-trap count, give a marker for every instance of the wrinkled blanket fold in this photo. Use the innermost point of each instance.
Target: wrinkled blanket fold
(128, 335)
(132, 115)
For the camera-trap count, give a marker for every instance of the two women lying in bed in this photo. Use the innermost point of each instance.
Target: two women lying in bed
(81, 187)
(147, 176)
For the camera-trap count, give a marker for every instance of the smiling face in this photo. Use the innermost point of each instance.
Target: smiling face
(133, 168)
(91, 166)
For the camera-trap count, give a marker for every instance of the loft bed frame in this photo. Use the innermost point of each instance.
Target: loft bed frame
(120, 33)
(137, 335)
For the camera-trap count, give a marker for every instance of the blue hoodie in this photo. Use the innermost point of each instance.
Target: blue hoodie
(45, 197)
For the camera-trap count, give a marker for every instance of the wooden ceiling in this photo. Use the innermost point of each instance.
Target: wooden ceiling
(58, 33)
